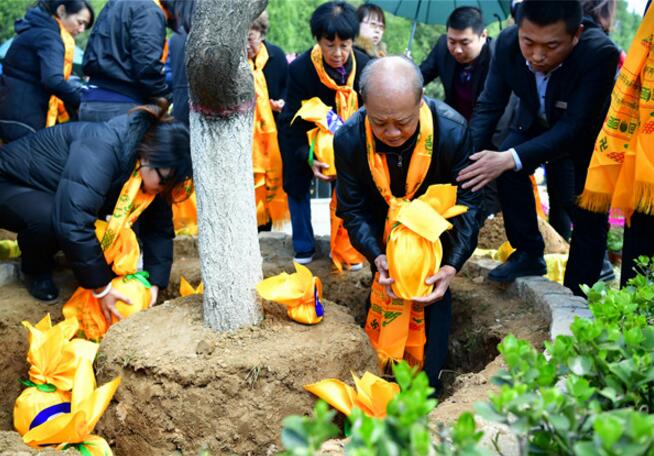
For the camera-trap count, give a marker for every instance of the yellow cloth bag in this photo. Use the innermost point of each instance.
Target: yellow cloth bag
(372, 394)
(56, 109)
(121, 250)
(621, 171)
(53, 356)
(93, 445)
(186, 289)
(321, 138)
(87, 404)
(9, 249)
(300, 292)
(36, 404)
(414, 249)
(271, 200)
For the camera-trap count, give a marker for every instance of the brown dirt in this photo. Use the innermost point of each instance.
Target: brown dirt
(187, 388)
(492, 235)
(4, 234)
(12, 445)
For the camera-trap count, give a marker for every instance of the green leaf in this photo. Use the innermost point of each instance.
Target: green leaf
(581, 366)
(609, 429)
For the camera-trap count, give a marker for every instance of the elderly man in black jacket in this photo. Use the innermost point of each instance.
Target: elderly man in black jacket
(563, 76)
(391, 88)
(461, 59)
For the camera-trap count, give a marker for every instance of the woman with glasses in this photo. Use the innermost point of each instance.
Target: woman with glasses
(329, 71)
(372, 24)
(56, 183)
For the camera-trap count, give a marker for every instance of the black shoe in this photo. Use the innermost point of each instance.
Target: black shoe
(41, 287)
(519, 264)
(607, 274)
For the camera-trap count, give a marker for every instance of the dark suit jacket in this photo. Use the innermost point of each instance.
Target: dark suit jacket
(440, 63)
(276, 72)
(575, 102)
(303, 84)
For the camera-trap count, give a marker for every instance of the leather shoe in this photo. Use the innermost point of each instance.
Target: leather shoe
(519, 264)
(42, 287)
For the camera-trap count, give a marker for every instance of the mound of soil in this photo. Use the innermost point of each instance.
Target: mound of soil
(12, 444)
(492, 235)
(187, 388)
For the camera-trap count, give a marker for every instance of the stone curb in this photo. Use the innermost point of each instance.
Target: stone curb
(8, 272)
(556, 302)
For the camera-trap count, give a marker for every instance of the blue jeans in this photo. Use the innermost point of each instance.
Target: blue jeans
(303, 239)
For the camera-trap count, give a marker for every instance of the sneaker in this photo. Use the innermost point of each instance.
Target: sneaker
(607, 274)
(303, 258)
(41, 287)
(356, 267)
(519, 264)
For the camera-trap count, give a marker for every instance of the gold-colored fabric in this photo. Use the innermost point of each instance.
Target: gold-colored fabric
(300, 292)
(185, 215)
(53, 356)
(621, 171)
(56, 110)
(9, 249)
(372, 394)
(87, 404)
(272, 202)
(186, 289)
(347, 101)
(121, 250)
(321, 138)
(396, 328)
(93, 445)
(33, 401)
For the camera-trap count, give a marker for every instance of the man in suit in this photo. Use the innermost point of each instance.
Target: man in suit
(461, 59)
(563, 76)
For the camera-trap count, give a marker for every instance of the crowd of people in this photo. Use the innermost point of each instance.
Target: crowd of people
(343, 112)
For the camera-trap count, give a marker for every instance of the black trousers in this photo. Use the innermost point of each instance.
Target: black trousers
(638, 240)
(588, 240)
(562, 195)
(28, 213)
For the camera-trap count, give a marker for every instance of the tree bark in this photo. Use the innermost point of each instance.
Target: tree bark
(221, 119)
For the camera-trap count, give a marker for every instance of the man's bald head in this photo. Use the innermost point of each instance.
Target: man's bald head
(390, 77)
(391, 88)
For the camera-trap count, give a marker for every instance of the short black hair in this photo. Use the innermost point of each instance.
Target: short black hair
(547, 12)
(334, 19)
(370, 10)
(70, 6)
(466, 17)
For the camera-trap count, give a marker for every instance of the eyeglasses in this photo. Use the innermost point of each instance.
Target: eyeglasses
(375, 25)
(163, 180)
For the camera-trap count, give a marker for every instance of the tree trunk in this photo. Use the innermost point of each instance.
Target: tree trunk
(221, 120)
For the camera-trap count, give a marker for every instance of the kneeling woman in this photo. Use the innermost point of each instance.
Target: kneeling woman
(56, 183)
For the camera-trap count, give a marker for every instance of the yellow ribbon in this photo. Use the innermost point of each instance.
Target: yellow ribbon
(56, 110)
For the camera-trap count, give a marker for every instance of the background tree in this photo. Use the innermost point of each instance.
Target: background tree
(221, 119)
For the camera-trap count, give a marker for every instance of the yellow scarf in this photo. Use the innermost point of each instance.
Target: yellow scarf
(347, 103)
(164, 54)
(396, 327)
(56, 109)
(621, 171)
(271, 199)
(120, 249)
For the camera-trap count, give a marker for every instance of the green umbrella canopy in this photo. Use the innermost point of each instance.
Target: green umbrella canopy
(77, 58)
(437, 11)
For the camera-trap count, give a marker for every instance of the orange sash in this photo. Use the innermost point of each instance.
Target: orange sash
(272, 203)
(56, 109)
(347, 103)
(621, 171)
(396, 327)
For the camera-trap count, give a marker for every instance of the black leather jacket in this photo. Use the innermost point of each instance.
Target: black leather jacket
(364, 209)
